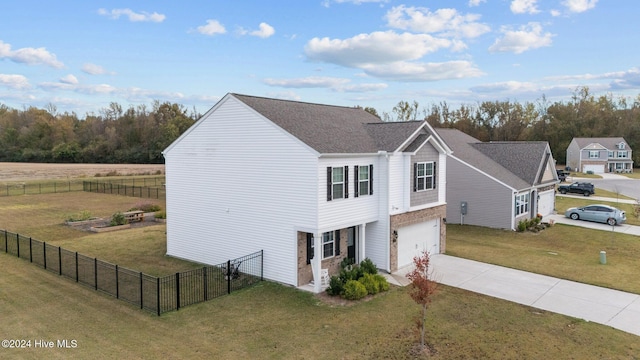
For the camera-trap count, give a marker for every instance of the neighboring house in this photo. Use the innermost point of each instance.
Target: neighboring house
(599, 155)
(497, 184)
(304, 182)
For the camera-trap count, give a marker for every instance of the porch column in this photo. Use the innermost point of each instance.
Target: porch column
(317, 263)
(362, 242)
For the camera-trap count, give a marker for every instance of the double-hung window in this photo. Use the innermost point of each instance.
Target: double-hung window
(622, 154)
(522, 204)
(363, 182)
(330, 244)
(424, 176)
(594, 154)
(337, 182)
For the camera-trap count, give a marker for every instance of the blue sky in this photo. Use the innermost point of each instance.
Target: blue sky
(82, 55)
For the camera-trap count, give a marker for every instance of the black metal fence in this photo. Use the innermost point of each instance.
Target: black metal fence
(23, 188)
(151, 293)
(114, 188)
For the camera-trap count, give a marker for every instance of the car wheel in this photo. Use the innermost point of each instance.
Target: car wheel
(574, 216)
(586, 193)
(563, 191)
(611, 221)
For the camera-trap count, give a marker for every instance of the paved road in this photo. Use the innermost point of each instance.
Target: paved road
(615, 183)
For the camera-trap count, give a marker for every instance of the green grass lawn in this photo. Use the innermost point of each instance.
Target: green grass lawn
(565, 202)
(272, 321)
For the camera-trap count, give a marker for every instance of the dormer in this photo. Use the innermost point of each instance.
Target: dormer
(621, 146)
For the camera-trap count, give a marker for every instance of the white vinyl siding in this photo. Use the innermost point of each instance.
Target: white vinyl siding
(216, 212)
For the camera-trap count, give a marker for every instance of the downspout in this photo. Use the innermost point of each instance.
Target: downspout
(384, 204)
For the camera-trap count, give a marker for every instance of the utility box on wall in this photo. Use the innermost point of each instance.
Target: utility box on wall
(463, 208)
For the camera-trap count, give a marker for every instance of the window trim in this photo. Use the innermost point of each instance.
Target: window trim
(331, 183)
(522, 207)
(328, 238)
(592, 152)
(425, 177)
(363, 187)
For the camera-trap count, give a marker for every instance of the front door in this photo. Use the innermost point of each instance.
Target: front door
(351, 244)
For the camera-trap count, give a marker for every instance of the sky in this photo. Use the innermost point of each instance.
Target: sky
(80, 56)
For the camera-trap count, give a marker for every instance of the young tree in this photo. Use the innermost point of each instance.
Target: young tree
(422, 288)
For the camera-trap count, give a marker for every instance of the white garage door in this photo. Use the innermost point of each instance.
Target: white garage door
(414, 239)
(546, 203)
(596, 169)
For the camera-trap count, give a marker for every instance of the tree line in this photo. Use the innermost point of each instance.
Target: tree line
(139, 134)
(584, 115)
(136, 135)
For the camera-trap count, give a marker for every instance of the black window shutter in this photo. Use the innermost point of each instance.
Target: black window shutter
(336, 241)
(309, 247)
(415, 176)
(434, 175)
(371, 179)
(356, 186)
(329, 179)
(346, 182)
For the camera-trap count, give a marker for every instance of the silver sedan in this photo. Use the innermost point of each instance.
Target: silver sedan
(598, 213)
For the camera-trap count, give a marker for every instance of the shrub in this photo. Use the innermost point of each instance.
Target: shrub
(336, 286)
(370, 283)
(383, 284)
(146, 207)
(161, 215)
(354, 290)
(81, 216)
(368, 267)
(118, 219)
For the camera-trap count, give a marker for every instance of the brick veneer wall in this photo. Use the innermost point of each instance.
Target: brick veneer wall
(305, 274)
(415, 217)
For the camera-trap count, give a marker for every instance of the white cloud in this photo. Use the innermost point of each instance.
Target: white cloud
(29, 56)
(265, 31)
(445, 22)
(307, 82)
(327, 3)
(13, 81)
(93, 69)
(524, 6)
(417, 72)
(473, 3)
(69, 79)
(133, 16)
(377, 47)
(528, 37)
(578, 6)
(336, 84)
(212, 27)
(507, 86)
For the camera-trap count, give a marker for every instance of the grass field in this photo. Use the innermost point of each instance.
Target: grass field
(271, 321)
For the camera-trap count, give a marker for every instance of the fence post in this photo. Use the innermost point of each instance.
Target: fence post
(30, 250)
(177, 291)
(204, 277)
(261, 264)
(6, 245)
(95, 271)
(44, 254)
(228, 276)
(117, 284)
(59, 260)
(18, 244)
(76, 266)
(158, 294)
(141, 292)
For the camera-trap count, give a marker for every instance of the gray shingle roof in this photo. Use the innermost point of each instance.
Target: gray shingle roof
(515, 163)
(611, 143)
(332, 129)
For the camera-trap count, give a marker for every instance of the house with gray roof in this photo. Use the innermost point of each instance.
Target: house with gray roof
(497, 184)
(600, 155)
(309, 184)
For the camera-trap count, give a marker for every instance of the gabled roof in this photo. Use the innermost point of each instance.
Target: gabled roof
(610, 143)
(517, 163)
(332, 129)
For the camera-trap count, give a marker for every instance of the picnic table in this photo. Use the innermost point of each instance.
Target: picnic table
(134, 216)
